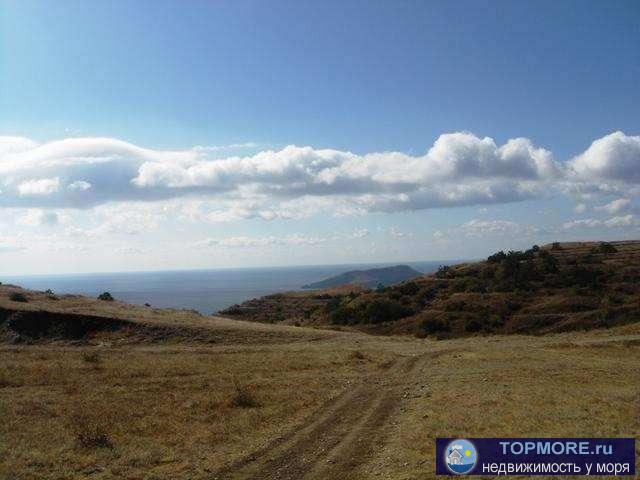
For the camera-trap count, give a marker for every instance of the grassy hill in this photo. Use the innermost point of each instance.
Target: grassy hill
(553, 288)
(105, 390)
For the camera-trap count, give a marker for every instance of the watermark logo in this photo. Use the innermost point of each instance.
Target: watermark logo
(460, 456)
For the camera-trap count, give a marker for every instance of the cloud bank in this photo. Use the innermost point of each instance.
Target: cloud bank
(459, 169)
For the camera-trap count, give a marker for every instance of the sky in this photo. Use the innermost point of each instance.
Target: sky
(172, 135)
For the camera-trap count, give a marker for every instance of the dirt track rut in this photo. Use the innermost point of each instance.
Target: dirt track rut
(344, 435)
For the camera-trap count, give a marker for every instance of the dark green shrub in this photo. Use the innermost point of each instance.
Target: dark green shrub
(497, 257)
(604, 248)
(381, 310)
(472, 326)
(333, 304)
(341, 316)
(18, 297)
(106, 296)
(443, 271)
(408, 288)
(434, 325)
(243, 397)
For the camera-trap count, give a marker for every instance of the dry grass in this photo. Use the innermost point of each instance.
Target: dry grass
(120, 407)
(161, 411)
(568, 385)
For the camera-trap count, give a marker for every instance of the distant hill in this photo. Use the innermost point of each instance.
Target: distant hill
(370, 278)
(554, 288)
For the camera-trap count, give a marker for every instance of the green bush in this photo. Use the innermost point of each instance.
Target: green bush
(604, 248)
(381, 310)
(106, 296)
(408, 288)
(443, 271)
(18, 297)
(432, 326)
(472, 326)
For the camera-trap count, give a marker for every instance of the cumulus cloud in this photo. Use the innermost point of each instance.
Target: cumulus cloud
(44, 186)
(613, 157)
(459, 169)
(79, 185)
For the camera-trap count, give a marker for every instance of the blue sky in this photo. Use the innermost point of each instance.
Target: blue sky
(348, 78)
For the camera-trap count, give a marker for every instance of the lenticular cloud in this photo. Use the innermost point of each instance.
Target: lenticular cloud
(459, 169)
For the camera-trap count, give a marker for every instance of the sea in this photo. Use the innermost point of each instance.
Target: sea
(207, 291)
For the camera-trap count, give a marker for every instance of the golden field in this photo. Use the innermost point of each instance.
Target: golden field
(172, 394)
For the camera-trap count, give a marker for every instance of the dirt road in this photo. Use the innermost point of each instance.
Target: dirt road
(345, 434)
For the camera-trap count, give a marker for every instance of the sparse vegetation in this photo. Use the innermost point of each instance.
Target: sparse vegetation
(542, 289)
(91, 357)
(243, 396)
(604, 248)
(170, 408)
(18, 297)
(106, 296)
(89, 425)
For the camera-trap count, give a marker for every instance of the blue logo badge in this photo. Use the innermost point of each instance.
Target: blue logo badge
(460, 456)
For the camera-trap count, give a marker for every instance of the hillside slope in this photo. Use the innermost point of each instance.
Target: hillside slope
(370, 278)
(557, 287)
(106, 390)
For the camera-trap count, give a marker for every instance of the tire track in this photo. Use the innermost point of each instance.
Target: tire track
(338, 439)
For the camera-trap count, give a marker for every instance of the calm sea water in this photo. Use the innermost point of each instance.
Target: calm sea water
(207, 291)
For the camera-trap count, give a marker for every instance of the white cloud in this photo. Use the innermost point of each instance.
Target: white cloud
(361, 233)
(394, 232)
(129, 251)
(614, 157)
(623, 221)
(79, 185)
(614, 222)
(44, 186)
(580, 208)
(582, 223)
(261, 241)
(296, 182)
(36, 218)
(476, 228)
(615, 206)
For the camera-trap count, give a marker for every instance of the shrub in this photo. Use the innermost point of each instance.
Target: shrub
(18, 297)
(242, 397)
(497, 257)
(381, 310)
(549, 262)
(443, 271)
(434, 325)
(333, 304)
(605, 248)
(91, 357)
(357, 355)
(91, 428)
(408, 288)
(472, 326)
(106, 296)
(341, 315)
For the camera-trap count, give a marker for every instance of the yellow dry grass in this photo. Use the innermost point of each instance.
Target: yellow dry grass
(107, 409)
